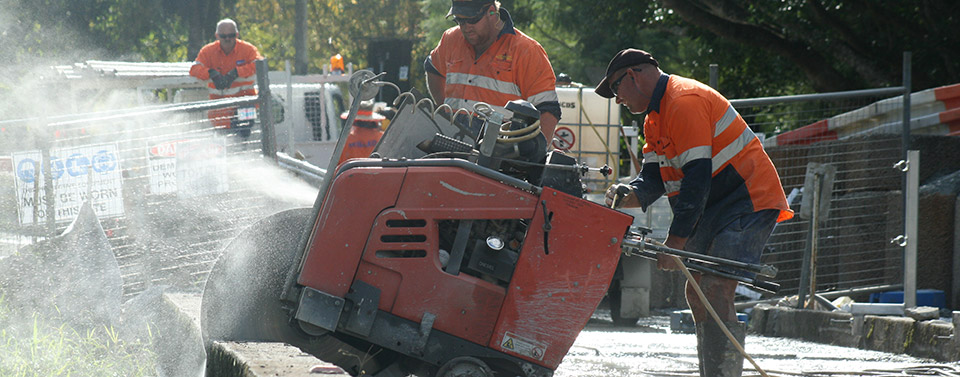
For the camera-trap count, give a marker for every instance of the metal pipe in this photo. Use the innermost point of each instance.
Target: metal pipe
(910, 230)
(760, 101)
(760, 269)
(268, 138)
(299, 166)
(827, 295)
(288, 104)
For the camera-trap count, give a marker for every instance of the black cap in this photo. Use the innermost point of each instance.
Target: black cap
(468, 8)
(625, 58)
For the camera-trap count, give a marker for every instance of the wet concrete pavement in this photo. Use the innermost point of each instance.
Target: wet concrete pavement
(648, 349)
(651, 350)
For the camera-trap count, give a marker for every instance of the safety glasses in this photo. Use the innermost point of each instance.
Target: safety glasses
(460, 21)
(616, 83)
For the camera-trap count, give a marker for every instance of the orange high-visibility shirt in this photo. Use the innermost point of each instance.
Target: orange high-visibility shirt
(242, 58)
(514, 67)
(360, 143)
(690, 123)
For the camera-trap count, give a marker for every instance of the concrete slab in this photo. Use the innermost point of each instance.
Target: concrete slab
(932, 339)
(251, 359)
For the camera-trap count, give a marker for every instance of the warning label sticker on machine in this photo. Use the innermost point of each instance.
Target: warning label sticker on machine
(525, 347)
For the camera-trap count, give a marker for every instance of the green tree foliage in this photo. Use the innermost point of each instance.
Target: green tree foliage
(762, 48)
(333, 27)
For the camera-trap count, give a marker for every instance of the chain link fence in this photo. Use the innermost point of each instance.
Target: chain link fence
(171, 184)
(865, 200)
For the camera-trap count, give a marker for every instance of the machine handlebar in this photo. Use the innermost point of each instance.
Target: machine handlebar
(638, 245)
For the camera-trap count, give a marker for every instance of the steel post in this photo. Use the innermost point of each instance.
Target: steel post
(910, 213)
(268, 136)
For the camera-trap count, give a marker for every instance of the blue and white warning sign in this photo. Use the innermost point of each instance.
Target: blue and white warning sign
(564, 139)
(78, 173)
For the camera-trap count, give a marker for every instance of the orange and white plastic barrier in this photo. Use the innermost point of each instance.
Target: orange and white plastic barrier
(933, 111)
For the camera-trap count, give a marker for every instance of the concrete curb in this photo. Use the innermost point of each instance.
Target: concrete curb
(932, 339)
(253, 359)
(247, 359)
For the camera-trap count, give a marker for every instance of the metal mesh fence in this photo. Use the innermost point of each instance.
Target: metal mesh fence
(172, 184)
(853, 243)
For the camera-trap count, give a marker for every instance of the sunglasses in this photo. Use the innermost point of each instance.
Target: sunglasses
(227, 36)
(460, 21)
(616, 83)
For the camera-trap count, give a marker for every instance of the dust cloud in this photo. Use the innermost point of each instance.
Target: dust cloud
(112, 272)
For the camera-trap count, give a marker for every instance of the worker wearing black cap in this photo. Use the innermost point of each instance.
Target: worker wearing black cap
(485, 59)
(723, 189)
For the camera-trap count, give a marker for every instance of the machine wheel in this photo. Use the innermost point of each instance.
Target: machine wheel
(465, 366)
(615, 297)
(241, 297)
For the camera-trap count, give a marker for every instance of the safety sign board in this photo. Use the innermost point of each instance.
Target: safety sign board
(511, 342)
(201, 167)
(564, 139)
(188, 167)
(78, 173)
(162, 161)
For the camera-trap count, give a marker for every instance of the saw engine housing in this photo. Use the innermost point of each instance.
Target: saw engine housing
(449, 258)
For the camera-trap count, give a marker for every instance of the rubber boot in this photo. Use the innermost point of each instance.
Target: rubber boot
(718, 357)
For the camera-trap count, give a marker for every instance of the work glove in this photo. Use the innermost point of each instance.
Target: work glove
(216, 77)
(229, 77)
(620, 196)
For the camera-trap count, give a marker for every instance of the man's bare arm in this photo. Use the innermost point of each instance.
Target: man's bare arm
(548, 124)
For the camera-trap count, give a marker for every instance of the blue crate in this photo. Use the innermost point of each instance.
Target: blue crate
(681, 321)
(925, 297)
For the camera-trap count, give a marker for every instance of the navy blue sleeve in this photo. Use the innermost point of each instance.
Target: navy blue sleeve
(428, 66)
(552, 107)
(692, 199)
(648, 186)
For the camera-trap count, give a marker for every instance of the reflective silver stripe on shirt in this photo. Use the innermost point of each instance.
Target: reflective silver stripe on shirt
(671, 186)
(691, 154)
(545, 96)
(230, 91)
(484, 82)
(731, 150)
(651, 157)
(725, 121)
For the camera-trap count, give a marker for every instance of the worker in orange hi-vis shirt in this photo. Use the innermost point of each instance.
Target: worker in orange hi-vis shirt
(364, 133)
(229, 69)
(336, 64)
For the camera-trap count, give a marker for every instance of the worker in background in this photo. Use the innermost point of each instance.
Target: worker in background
(228, 67)
(723, 189)
(364, 133)
(336, 64)
(485, 59)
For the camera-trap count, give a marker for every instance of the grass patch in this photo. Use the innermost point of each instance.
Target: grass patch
(41, 345)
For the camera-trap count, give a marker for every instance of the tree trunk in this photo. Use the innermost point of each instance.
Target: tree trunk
(202, 17)
(300, 38)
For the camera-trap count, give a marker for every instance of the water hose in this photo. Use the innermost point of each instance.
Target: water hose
(713, 313)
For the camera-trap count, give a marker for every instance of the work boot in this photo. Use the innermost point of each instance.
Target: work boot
(718, 357)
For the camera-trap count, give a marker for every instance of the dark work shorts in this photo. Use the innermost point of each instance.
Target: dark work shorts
(743, 239)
